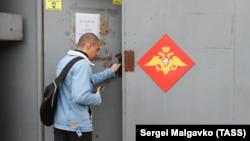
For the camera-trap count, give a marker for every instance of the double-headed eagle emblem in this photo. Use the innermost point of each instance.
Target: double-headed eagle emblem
(165, 61)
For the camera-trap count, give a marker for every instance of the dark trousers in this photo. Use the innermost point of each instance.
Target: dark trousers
(62, 135)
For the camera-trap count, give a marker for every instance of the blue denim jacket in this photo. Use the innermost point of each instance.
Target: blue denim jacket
(75, 94)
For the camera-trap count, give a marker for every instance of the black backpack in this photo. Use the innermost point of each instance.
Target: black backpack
(50, 94)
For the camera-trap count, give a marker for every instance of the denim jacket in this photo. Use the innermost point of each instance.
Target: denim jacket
(75, 94)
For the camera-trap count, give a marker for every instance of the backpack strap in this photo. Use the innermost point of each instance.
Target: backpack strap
(66, 69)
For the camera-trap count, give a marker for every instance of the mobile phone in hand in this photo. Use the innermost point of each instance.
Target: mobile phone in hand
(101, 89)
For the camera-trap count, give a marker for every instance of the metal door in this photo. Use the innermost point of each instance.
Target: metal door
(59, 36)
(214, 91)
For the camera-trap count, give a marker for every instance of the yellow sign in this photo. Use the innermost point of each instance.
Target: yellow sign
(55, 5)
(117, 2)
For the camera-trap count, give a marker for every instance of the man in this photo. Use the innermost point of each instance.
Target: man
(73, 121)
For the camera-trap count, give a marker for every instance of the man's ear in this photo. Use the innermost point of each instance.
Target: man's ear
(88, 45)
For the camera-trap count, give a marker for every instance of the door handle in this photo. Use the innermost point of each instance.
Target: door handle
(119, 71)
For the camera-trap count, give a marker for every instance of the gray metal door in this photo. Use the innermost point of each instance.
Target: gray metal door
(59, 36)
(215, 90)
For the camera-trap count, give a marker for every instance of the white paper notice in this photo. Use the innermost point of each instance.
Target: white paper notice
(87, 22)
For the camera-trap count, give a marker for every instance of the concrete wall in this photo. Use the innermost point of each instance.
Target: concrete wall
(19, 76)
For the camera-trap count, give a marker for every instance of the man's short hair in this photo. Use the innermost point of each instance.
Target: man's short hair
(86, 38)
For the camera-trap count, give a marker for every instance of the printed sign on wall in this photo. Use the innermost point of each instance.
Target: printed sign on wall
(117, 2)
(165, 63)
(55, 5)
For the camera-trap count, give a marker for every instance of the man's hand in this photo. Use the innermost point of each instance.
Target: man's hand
(115, 67)
(99, 89)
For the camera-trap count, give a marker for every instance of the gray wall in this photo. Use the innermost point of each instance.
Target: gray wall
(215, 35)
(19, 78)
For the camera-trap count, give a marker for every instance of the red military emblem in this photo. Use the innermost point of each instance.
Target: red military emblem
(165, 63)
